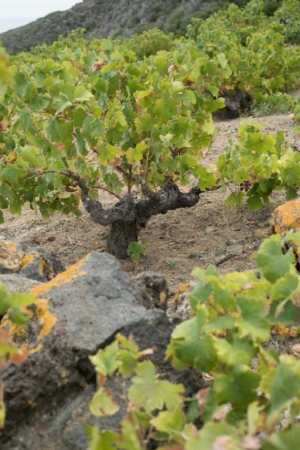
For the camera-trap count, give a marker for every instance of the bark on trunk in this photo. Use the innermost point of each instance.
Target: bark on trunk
(120, 235)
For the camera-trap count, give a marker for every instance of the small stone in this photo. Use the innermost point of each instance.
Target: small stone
(194, 255)
(10, 257)
(235, 249)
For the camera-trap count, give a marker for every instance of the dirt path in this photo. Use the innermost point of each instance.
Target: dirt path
(177, 242)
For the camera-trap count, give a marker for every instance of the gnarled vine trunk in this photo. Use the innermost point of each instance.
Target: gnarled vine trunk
(120, 235)
(129, 215)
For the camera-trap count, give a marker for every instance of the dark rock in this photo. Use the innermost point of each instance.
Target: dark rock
(41, 267)
(35, 264)
(154, 288)
(77, 313)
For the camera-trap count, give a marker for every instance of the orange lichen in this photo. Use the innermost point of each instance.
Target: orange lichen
(65, 277)
(286, 217)
(162, 298)
(180, 290)
(27, 259)
(281, 330)
(11, 245)
(46, 319)
(41, 266)
(184, 287)
(176, 296)
(35, 349)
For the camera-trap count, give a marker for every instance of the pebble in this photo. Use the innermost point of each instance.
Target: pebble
(235, 249)
(195, 255)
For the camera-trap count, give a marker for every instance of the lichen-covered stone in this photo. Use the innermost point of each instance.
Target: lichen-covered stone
(16, 283)
(154, 287)
(41, 267)
(35, 264)
(286, 217)
(179, 308)
(76, 313)
(10, 257)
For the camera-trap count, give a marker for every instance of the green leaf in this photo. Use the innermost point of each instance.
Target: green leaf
(272, 263)
(188, 98)
(240, 390)
(16, 205)
(82, 94)
(291, 193)
(206, 180)
(240, 351)
(6, 349)
(285, 387)
(21, 299)
(18, 317)
(143, 94)
(283, 440)
(166, 140)
(100, 440)
(103, 404)
(40, 102)
(106, 361)
(149, 392)
(106, 44)
(254, 202)
(251, 319)
(107, 153)
(101, 86)
(144, 123)
(81, 143)
(219, 324)
(222, 60)
(192, 348)
(21, 84)
(169, 421)
(129, 439)
(136, 154)
(208, 437)
(59, 130)
(212, 89)
(285, 287)
(25, 121)
(135, 251)
(128, 363)
(62, 102)
(33, 156)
